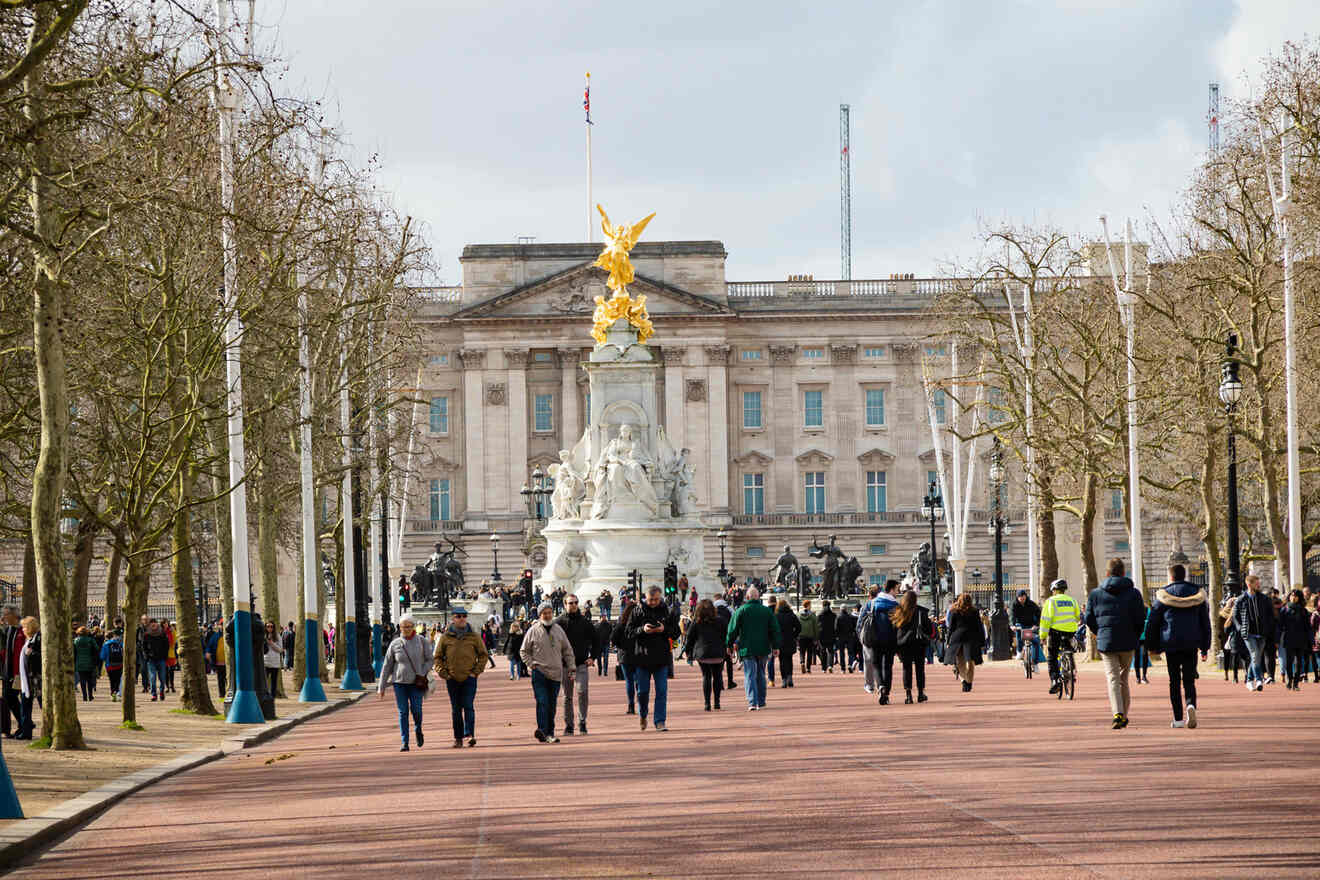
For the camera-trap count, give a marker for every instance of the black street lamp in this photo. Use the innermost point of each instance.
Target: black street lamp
(495, 549)
(1001, 631)
(932, 508)
(1230, 392)
(976, 576)
(723, 537)
(537, 494)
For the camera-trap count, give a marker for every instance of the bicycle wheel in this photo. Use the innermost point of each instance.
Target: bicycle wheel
(1071, 684)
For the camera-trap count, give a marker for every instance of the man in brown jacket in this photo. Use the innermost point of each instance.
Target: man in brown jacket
(461, 657)
(547, 653)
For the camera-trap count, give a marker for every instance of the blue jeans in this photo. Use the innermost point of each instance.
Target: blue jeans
(629, 685)
(1256, 648)
(754, 679)
(408, 698)
(546, 691)
(156, 669)
(462, 695)
(642, 678)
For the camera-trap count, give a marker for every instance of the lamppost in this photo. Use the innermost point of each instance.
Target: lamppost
(976, 576)
(495, 549)
(723, 537)
(537, 495)
(1230, 392)
(1000, 630)
(932, 508)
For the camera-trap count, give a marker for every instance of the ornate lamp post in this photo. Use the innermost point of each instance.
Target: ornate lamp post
(1001, 631)
(495, 549)
(1230, 392)
(932, 509)
(976, 576)
(537, 495)
(723, 537)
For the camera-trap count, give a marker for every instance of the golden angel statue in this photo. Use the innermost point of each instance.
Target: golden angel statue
(619, 241)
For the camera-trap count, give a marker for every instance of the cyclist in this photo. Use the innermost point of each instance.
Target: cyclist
(1026, 616)
(1060, 617)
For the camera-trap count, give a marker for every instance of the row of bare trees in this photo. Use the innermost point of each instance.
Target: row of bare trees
(112, 383)
(1215, 268)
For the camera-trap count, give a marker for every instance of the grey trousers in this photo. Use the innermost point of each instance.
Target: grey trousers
(869, 675)
(576, 680)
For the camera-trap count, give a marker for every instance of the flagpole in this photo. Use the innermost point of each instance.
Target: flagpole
(587, 103)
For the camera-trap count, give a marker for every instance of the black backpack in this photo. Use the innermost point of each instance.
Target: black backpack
(115, 655)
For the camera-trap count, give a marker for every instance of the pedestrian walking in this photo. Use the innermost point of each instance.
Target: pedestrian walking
(884, 642)
(548, 654)
(652, 626)
(623, 643)
(85, 658)
(913, 631)
(287, 642)
(807, 640)
(12, 638)
(28, 677)
(756, 632)
(877, 609)
(156, 648)
(828, 633)
(789, 628)
(273, 658)
(460, 658)
(1253, 618)
(405, 666)
(490, 637)
(966, 639)
(604, 632)
(112, 658)
(846, 633)
(513, 649)
(707, 645)
(1296, 639)
(1116, 613)
(172, 655)
(577, 680)
(1179, 626)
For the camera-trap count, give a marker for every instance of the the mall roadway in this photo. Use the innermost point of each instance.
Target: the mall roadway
(1002, 782)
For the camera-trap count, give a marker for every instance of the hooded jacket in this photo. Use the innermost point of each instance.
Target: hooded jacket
(810, 625)
(1179, 619)
(1116, 613)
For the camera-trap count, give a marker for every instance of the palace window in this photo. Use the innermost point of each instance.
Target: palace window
(875, 407)
(439, 499)
(878, 549)
(873, 351)
(815, 491)
(543, 413)
(751, 354)
(754, 494)
(813, 354)
(752, 409)
(875, 492)
(439, 360)
(938, 399)
(439, 415)
(813, 409)
(755, 552)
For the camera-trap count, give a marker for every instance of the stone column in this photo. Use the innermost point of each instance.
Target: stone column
(783, 427)
(717, 359)
(675, 424)
(474, 460)
(570, 427)
(516, 361)
(845, 402)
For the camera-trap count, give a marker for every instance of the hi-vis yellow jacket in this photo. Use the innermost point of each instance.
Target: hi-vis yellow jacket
(1060, 612)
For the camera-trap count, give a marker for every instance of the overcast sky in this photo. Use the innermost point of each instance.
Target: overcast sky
(724, 117)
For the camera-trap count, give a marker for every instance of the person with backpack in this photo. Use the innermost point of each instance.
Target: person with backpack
(913, 631)
(875, 615)
(112, 658)
(84, 662)
(789, 630)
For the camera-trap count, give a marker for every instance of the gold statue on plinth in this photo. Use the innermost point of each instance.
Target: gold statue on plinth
(619, 240)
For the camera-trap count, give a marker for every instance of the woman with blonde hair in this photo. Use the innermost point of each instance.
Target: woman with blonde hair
(966, 639)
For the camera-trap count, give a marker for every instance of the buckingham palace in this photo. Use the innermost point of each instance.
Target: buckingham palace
(801, 401)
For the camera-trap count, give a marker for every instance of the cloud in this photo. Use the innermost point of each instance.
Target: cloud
(1258, 28)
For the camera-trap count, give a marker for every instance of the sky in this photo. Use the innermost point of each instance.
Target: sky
(723, 118)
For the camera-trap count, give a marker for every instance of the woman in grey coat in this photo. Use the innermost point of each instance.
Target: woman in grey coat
(407, 662)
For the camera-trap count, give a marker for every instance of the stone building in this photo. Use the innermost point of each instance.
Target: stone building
(801, 402)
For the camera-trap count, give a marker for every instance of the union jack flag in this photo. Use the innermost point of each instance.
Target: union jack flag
(586, 100)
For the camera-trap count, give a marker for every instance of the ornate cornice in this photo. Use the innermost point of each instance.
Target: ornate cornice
(782, 354)
(673, 355)
(516, 358)
(718, 355)
(843, 353)
(472, 358)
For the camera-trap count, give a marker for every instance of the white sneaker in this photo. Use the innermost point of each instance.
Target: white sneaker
(1191, 715)
(1251, 685)
(868, 688)
(1178, 724)
(1269, 679)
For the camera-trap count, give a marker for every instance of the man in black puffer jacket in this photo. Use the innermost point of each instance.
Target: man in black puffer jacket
(652, 626)
(582, 636)
(1116, 613)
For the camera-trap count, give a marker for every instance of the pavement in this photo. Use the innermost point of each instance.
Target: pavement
(1004, 781)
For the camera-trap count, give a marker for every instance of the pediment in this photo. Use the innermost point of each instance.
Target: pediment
(753, 457)
(814, 457)
(572, 292)
(876, 455)
(928, 456)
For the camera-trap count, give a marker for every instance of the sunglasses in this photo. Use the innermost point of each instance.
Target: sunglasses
(456, 616)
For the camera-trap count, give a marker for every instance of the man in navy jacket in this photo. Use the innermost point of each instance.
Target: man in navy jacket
(1116, 613)
(1179, 625)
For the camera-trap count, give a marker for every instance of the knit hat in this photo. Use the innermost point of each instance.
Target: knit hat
(543, 606)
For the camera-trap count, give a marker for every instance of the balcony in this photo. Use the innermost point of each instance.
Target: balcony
(883, 288)
(434, 526)
(825, 519)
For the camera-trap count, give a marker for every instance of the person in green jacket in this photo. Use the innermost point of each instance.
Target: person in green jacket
(756, 631)
(85, 656)
(807, 638)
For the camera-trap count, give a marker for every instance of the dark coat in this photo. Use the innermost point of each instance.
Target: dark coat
(828, 626)
(604, 632)
(789, 630)
(914, 635)
(845, 628)
(581, 635)
(623, 643)
(156, 646)
(966, 635)
(653, 650)
(1296, 626)
(1253, 615)
(1025, 614)
(705, 640)
(513, 643)
(1179, 619)
(1116, 613)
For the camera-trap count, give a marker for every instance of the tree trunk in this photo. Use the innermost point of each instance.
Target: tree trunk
(1089, 487)
(196, 695)
(112, 584)
(1210, 538)
(29, 603)
(59, 696)
(135, 605)
(1049, 551)
(267, 559)
(224, 542)
(82, 566)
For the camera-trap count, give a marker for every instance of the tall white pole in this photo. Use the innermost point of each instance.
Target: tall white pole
(590, 220)
(1126, 306)
(1033, 499)
(407, 471)
(1296, 575)
(347, 641)
(375, 554)
(953, 510)
(245, 708)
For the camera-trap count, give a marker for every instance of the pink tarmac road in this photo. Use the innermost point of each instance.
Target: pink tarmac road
(1004, 782)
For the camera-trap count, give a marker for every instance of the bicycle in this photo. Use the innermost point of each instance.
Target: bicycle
(1027, 653)
(1067, 671)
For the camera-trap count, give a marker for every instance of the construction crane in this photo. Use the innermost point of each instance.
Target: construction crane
(845, 198)
(1212, 117)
